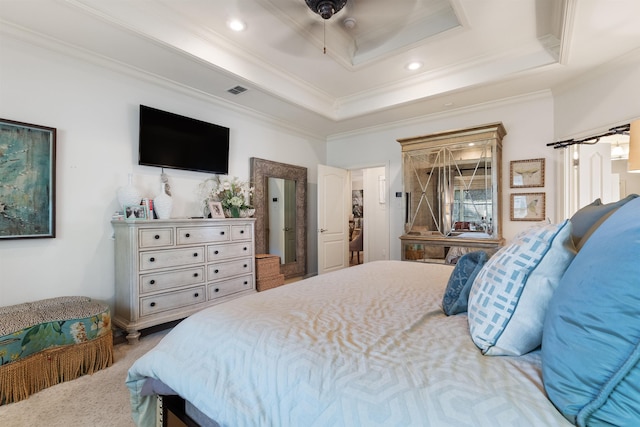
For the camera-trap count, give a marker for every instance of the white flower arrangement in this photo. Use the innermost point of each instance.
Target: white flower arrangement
(233, 193)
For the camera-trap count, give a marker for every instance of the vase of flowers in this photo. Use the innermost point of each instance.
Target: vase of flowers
(233, 193)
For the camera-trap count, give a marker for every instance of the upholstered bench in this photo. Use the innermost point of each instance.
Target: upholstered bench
(46, 342)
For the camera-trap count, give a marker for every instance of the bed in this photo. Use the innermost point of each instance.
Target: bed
(371, 345)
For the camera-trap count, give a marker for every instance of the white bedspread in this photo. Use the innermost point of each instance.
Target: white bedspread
(364, 346)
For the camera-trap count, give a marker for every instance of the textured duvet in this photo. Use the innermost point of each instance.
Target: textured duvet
(364, 346)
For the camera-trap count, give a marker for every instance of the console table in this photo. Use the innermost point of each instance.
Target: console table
(166, 270)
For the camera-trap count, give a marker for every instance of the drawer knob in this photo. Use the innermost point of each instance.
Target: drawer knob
(245, 266)
(152, 259)
(195, 274)
(216, 271)
(222, 233)
(157, 236)
(245, 248)
(216, 252)
(241, 231)
(196, 295)
(153, 304)
(195, 254)
(187, 235)
(246, 283)
(216, 290)
(152, 282)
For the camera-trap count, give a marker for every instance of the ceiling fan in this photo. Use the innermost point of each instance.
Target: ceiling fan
(326, 8)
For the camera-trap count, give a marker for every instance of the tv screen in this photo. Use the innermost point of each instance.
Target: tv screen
(169, 140)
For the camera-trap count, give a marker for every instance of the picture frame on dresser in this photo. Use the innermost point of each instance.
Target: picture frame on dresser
(135, 212)
(28, 171)
(216, 209)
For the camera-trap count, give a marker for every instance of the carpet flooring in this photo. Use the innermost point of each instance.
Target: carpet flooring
(98, 400)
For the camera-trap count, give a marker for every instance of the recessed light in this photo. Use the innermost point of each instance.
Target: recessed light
(236, 25)
(412, 66)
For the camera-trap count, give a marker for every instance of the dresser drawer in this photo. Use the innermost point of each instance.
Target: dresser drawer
(223, 270)
(241, 232)
(228, 287)
(171, 279)
(152, 237)
(232, 250)
(195, 235)
(170, 300)
(171, 258)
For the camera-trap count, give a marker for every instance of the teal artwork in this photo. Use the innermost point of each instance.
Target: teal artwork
(27, 178)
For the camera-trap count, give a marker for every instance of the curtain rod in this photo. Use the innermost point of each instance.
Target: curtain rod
(618, 130)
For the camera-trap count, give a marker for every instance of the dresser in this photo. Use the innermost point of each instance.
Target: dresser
(166, 270)
(452, 193)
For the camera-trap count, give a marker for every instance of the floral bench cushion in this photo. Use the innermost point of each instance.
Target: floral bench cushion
(71, 335)
(28, 328)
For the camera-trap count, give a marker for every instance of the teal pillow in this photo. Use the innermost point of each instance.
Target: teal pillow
(589, 215)
(456, 295)
(510, 295)
(591, 336)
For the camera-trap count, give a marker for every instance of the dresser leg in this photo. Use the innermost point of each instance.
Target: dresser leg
(132, 336)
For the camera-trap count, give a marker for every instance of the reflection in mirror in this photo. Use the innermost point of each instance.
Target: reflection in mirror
(281, 222)
(450, 189)
(280, 201)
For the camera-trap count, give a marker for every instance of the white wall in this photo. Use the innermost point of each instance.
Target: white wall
(527, 120)
(95, 111)
(607, 97)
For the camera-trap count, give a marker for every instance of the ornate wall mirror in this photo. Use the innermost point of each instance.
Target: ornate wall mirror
(451, 184)
(281, 204)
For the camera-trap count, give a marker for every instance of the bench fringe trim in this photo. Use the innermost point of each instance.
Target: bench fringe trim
(20, 379)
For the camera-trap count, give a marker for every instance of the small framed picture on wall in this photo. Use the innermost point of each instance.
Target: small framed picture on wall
(526, 173)
(528, 207)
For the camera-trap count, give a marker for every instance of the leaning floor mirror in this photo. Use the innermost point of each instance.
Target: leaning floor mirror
(280, 201)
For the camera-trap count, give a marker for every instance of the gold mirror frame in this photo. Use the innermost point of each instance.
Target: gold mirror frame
(261, 171)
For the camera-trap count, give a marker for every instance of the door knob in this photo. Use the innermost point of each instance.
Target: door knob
(322, 230)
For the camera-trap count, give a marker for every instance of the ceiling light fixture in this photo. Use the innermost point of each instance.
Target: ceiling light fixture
(326, 8)
(236, 25)
(412, 66)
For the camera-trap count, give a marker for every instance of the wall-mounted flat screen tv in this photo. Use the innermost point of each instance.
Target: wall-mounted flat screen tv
(169, 140)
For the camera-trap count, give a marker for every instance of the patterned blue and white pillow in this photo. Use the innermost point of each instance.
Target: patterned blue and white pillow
(510, 295)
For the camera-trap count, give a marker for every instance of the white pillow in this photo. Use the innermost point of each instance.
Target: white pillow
(509, 297)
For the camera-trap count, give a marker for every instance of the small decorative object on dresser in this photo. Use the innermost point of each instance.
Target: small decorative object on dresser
(168, 270)
(128, 195)
(162, 204)
(231, 192)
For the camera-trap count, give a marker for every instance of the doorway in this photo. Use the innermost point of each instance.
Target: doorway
(335, 207)
(369, 218)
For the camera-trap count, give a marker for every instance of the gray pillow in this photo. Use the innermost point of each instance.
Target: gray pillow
(586, 217)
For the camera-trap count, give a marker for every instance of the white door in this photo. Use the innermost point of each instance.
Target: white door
(334, 202)
(595, 179)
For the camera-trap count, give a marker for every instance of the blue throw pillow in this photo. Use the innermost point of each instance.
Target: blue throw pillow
(591, 335)
(457, 293)
(509, 297)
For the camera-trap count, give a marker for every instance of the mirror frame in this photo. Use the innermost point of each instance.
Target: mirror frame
(491, 134)
(261, 170)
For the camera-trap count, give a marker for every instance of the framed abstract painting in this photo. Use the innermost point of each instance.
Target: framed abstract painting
(27, 188)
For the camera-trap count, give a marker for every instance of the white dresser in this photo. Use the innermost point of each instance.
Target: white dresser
(166, 270)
